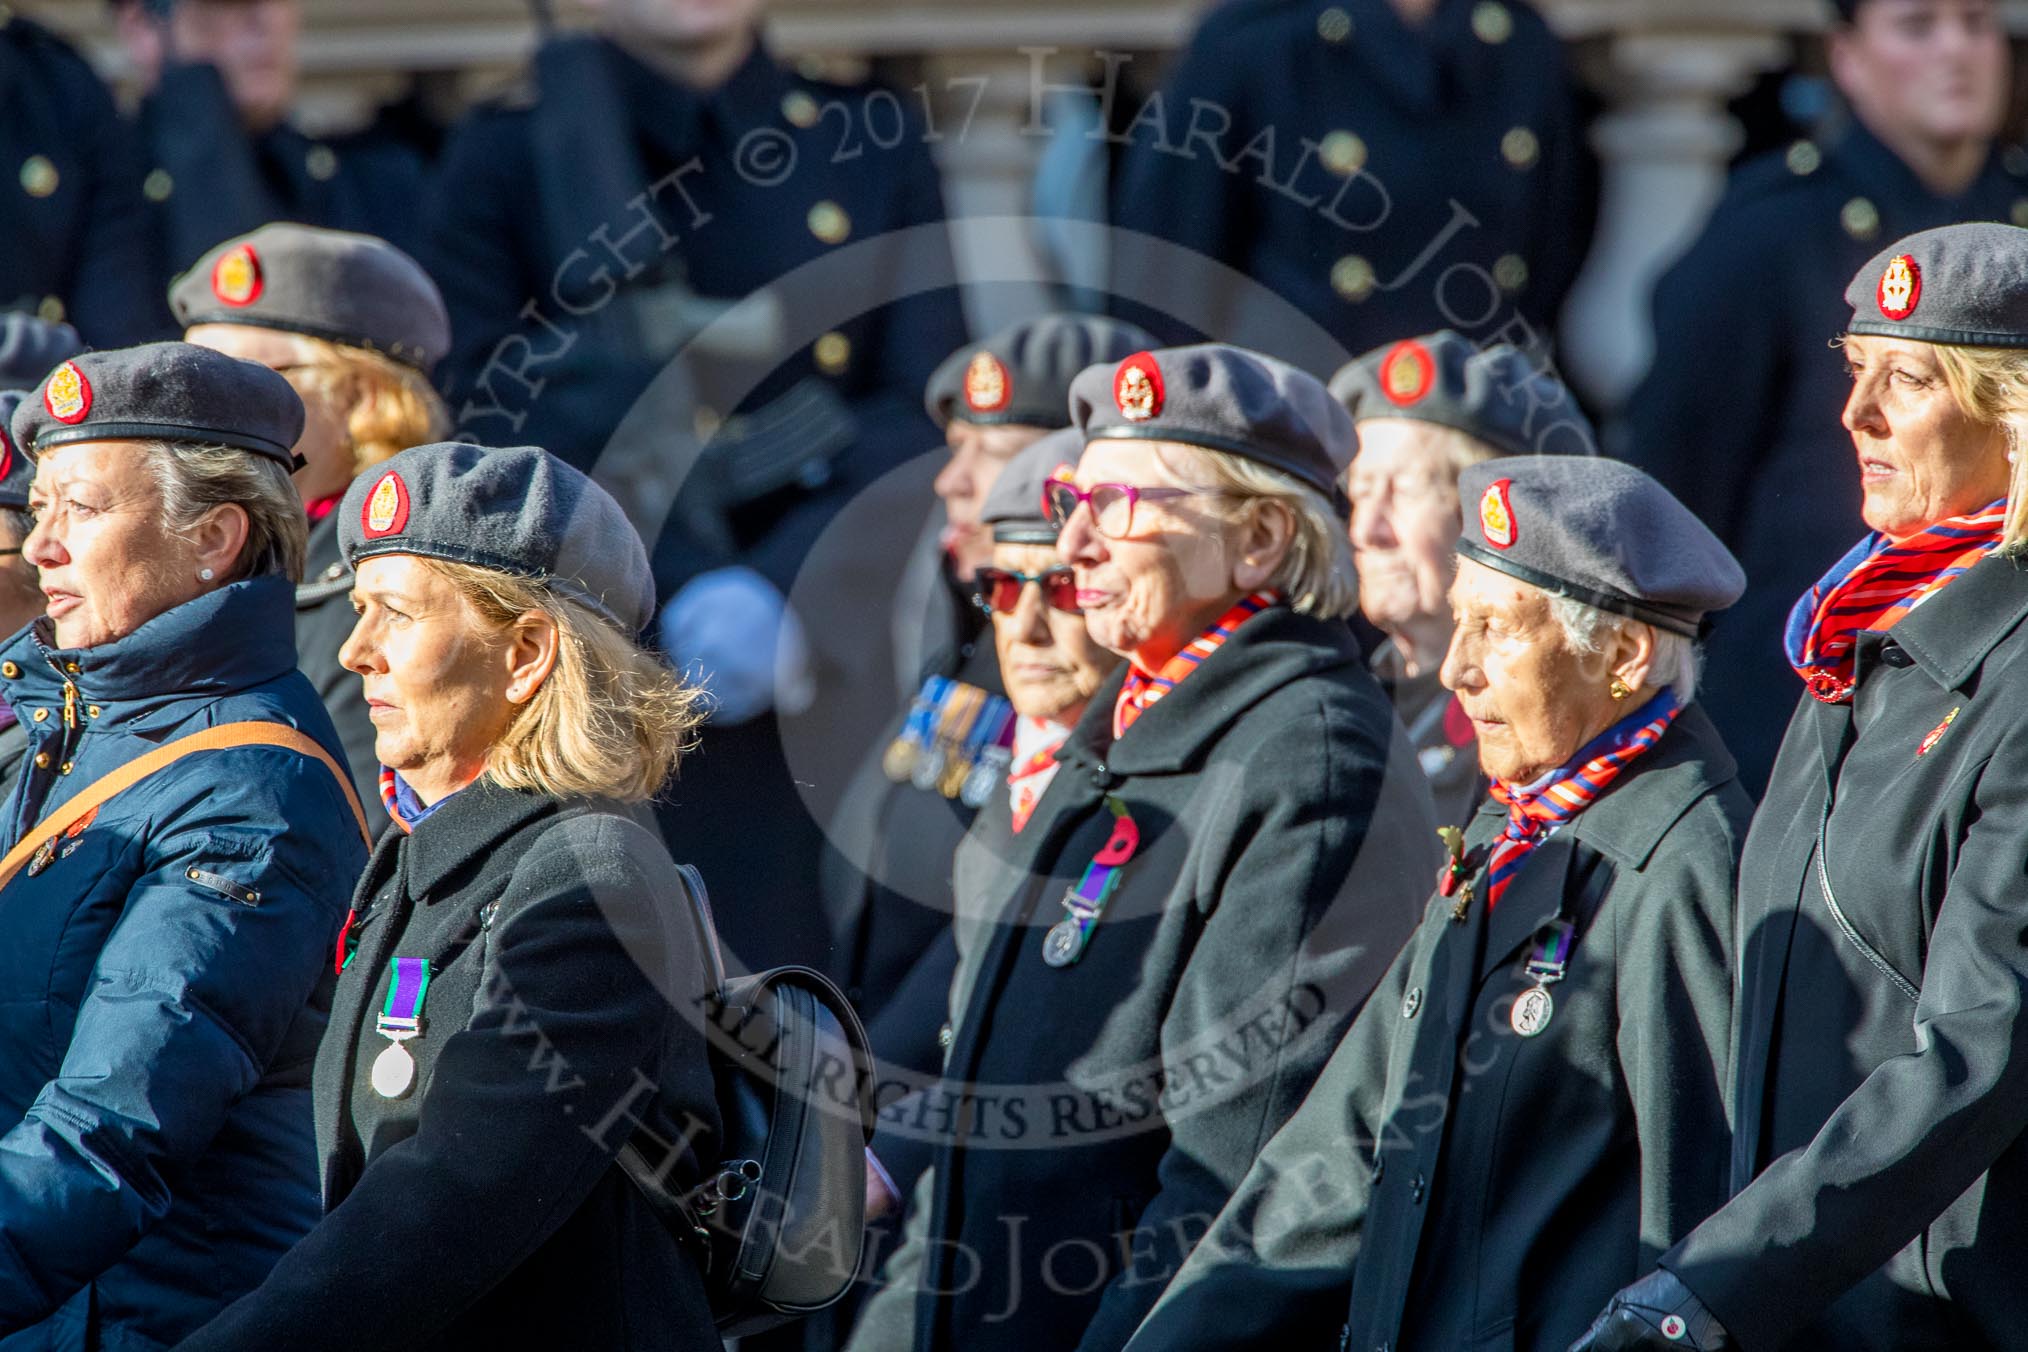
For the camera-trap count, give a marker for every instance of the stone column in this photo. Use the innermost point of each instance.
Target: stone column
(1664, 145)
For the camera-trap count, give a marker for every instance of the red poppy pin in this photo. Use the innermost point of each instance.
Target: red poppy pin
(1407, 374)
(1496, 515)
(386, 509)
(236, 277)
(1936, 733)
(1900, 287)
(987, 388)
(68, 395)
(1137, 387)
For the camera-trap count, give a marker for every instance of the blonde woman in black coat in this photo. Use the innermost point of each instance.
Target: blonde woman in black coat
(517, 993)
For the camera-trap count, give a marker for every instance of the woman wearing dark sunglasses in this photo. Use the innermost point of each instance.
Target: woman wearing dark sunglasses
(1155, 966)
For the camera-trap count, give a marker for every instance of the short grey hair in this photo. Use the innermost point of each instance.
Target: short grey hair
(196, 476)
(1587, 630)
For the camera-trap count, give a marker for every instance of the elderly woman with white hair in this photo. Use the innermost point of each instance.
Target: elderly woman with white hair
(1532, 1106)
(1234, 843)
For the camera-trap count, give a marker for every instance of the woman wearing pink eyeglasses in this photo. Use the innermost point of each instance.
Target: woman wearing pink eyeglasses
(1234, 841)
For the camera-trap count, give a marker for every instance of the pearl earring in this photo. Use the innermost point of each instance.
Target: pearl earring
(205, 575)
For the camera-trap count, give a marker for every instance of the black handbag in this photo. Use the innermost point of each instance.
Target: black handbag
(778, 1227)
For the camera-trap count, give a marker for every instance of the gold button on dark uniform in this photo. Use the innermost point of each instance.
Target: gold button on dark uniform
(41, 715)
(944, 1036)
(92, 710)
(42, 760)
(1860, 218)
(51, 310)
(1511, 272)
(1343, 153)
(158, 186)
(1353, 278)
(72, 667)
(1493, 22)
(833, 353)
(1334, 25)
(322, 163)
(829, 222)
(1804, 158)
(800, 109)
(9, 670)
(1521, 148)
(38, 176)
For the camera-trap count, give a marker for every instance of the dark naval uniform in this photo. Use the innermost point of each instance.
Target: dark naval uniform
(616, 242)
(206, 178)
(1746, 319)
(324, 620)
(1385, 180)
(70, 195)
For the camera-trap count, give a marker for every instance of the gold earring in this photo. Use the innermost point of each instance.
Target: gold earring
(1619, 689)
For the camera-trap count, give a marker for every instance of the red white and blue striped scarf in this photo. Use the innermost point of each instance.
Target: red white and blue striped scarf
(1534, 812)
(1876, 584)
(1143, 690)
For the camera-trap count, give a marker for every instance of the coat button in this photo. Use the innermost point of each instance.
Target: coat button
(1894, 655)
(9, 670)
(42, 760)
(1334, 25)
(944, 1035)
(1411, 1002)
(158, 186)
(64, 768)
(72, 667)
(41, 715)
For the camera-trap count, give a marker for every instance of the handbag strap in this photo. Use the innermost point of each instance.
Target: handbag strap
(225, 735)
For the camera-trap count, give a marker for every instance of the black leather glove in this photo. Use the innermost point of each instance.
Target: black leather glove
(1655, 1313)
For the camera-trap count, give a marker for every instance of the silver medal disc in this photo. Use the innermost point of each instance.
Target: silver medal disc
(1063, 943)
(393, 1071)
(1532, 1012)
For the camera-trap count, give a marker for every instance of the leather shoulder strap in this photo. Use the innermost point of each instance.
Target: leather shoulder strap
(225, 735)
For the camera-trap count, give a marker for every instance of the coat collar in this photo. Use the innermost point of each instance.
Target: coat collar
(1624, 826)
(465, 828)
(324, 572)
(1267, 652)
(1950, 634)
(1887, 177)
(671, 114)
(226, 641)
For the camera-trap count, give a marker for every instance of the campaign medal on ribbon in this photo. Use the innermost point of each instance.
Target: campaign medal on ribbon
(1534, 1007)
(1086, 902)
(400, 1019)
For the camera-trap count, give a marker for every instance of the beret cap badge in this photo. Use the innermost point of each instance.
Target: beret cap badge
(386, 509)
(1137, 388)
(236, 276)
(1900, 287)
(1496, 515)
(988, 389)
(1408, 374)
(68, 396)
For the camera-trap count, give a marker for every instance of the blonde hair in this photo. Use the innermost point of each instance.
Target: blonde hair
(388, 406)
(1991, 386)
(1316, 574)
(611, 721)
(195, 476)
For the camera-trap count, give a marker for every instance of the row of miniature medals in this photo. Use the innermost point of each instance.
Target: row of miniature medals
(958, 740)
(1550, 960)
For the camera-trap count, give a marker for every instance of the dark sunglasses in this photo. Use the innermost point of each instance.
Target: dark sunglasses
(999, 591)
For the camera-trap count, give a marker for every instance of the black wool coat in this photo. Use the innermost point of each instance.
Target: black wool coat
(1882, 1087)
(1098, 1115)
(1463, 1186)
(483, 1210)
(324, 620)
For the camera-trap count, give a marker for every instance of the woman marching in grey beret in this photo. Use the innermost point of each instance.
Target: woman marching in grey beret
(166, 970)
(1881, 1090)
(1531, 1106)
(507, 979)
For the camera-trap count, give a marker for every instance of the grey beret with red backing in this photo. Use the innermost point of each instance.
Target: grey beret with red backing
(1022, 374)
(1960, 285)
(162, 392)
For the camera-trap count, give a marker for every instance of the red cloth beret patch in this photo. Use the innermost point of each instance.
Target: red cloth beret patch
(1137, 387)
(6, 452)
(386, 509)
(68, 395)
(987, 387)
(1496, 515)
(236, 276)
(1407, 374)
(1900, 287)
